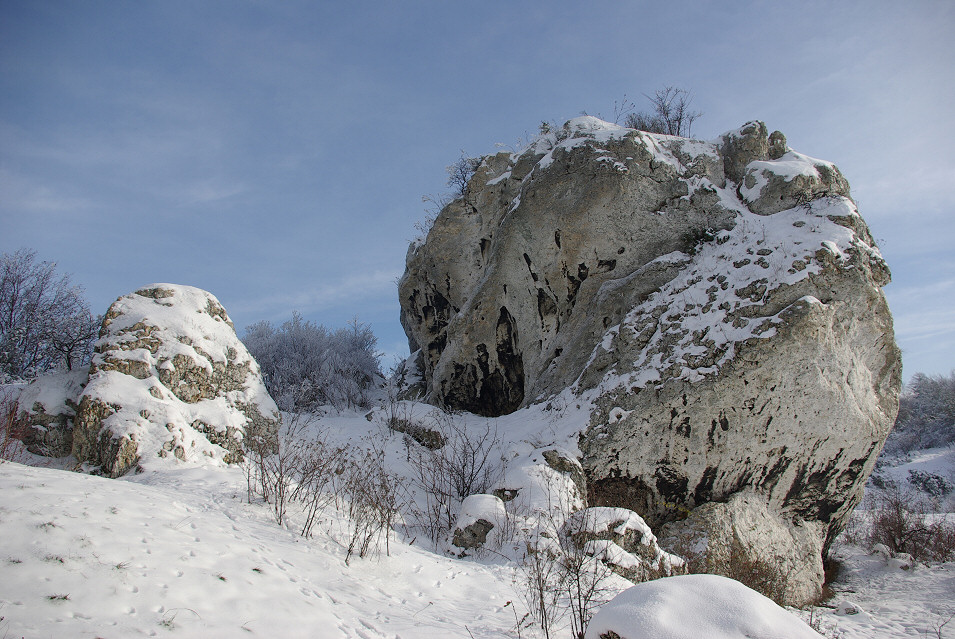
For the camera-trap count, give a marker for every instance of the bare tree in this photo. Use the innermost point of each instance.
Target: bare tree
(45, 323)
(460, 173)
(671, 113)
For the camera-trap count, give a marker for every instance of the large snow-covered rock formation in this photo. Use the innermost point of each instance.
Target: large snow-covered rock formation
(719, 303)
(170, 379)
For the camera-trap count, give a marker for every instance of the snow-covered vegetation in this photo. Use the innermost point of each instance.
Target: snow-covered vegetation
(926, 415)
(45, 323)
(306, 365)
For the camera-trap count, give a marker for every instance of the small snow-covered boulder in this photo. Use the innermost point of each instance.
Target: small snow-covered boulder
(846, 608)
(170, 379)
(479, 524)
(621, 539)
(695, 606)
(48, 407)
(548, 479)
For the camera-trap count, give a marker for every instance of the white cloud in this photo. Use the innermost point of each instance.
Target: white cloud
(346, 291)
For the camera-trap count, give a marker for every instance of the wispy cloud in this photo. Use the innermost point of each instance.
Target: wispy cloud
(207, 191)
(23, 194)
(346, 291)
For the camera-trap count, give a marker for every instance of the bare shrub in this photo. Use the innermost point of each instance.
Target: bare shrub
(584, 578)
(373, 503)
(902, 520)
(315, 488)
(563, 576)
(308, 471)
(769, 577)
(299, 470)
(464, 464)
(541, 589)
(671, 113)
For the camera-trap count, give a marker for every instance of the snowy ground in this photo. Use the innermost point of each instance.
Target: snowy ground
(876, 597)
(187, 557)
(180, 552)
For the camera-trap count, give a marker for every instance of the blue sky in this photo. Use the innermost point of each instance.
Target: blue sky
(276, 153)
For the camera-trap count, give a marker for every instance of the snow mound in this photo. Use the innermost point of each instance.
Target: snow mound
(696, 606)
(180, 554)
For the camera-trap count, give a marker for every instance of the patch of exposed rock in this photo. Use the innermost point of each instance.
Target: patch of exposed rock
(744, 539)
(169, 379)
(47, 408)
(622, 540)
(719, 303)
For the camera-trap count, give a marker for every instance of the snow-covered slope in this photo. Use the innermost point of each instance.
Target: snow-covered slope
(85, 556)
(180, 552)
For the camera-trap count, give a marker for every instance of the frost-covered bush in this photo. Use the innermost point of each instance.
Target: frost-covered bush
(45, 324)
(306, 365)
(926, 414)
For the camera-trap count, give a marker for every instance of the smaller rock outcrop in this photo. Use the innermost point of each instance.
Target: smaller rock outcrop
(743, 538)
(47, 408)
(622, 540)
(170, 378)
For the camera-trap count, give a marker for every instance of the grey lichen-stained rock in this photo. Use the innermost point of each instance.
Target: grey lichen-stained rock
(47, 408)
(517, 282)
(744, 539)
(719, 305)
(170, 379)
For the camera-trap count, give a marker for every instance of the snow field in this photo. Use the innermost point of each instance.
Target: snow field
(90, 557)
(179, 552)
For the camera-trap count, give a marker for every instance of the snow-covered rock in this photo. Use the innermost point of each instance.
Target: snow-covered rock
(170, 379)
(719, 303)
(48, 407)
(480, 523)
(546, 480)
(692, 607)
(621, 539)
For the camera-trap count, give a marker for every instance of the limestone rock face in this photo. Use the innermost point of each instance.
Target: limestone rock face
(170, 379)
(718, 303)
